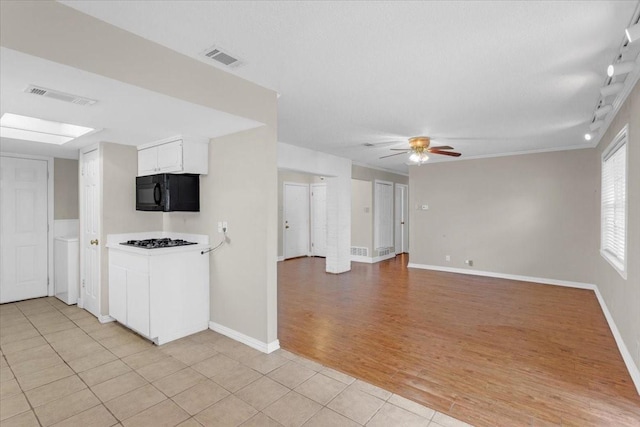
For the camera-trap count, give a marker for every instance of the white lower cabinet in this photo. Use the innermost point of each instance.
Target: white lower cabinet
(160, 296)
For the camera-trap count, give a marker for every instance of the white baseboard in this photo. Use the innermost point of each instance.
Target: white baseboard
(634, 372)
(624, 351)
(105, 318)
(245, 339)
(372, 260)
(543, 280)
(280, 258)
(360, 258)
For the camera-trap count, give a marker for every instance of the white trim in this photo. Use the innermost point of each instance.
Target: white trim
(284, 212)
(372, 260)
(633, 369)
(624, 352)
(245, 339)
(280, 258)
(105, 318)
(312, 207)
(50, 199)
(620, 141)
(542, 280)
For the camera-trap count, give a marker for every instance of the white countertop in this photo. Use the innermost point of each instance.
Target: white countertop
(114, 240)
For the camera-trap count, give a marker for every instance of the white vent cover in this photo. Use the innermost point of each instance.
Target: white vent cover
(60, 96)
(359, 251)
(384, 251)
(221, 56)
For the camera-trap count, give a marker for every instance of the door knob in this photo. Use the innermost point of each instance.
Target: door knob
(402, 223)
(94, 242)
(286, 226)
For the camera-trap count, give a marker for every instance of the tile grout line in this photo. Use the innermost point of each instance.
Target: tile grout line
(67, 364)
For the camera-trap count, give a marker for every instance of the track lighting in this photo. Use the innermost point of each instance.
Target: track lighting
(633, 33)
(603, 111)
(620, 68)
(596, 125)
(611, 89)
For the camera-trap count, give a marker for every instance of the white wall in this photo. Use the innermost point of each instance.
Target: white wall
(239, 190)
(530, 215)
(623, 296)
(337, 171)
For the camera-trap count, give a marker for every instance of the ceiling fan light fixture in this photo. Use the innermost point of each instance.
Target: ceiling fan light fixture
(418, 157)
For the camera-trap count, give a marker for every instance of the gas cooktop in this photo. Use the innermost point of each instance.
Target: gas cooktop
(157, 243)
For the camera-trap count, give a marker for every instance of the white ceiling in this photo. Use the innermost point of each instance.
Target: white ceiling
(124, 113)
(512, 76)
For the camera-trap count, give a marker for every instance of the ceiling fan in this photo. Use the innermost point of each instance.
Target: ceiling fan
(419, 146)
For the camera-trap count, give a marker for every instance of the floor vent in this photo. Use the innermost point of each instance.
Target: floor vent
(359, 251)
(60, 96)
(221, 56)
(384, 251)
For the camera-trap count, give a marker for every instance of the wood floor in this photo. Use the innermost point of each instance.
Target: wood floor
(490, 352)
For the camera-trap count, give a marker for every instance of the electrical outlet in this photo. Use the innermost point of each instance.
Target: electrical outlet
(447, 257)
(424, 207)
(469, 262)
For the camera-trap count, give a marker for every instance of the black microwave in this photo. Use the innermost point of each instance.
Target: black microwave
(168, 192)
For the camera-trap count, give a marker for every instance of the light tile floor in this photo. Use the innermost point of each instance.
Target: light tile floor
(61, 367)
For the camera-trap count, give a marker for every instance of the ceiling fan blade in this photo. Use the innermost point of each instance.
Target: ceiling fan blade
(446, 153)
(400, 149)
(391, 155)
(441, 147)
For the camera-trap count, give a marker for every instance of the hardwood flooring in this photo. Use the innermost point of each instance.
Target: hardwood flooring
(491, 352)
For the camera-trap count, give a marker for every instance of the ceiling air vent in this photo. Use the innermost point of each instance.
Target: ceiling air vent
(60, 96)
(219, 55)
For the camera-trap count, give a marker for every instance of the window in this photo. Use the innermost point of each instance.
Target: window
(614, 203)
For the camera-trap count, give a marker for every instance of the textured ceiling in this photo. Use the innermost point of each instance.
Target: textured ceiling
(513, 76)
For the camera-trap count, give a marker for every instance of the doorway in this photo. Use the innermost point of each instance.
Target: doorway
(296, 220)
(90, 232)
(402, 219)
(27, 210)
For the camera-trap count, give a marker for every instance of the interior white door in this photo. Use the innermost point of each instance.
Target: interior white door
(90, 244)
(23, 236)
(296, 220)
(319, 220)
(402, 219)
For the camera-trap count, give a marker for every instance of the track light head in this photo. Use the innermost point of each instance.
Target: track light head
(620, 68)
(603, 111)
(633, 33)
(612, 89)
(596, 125)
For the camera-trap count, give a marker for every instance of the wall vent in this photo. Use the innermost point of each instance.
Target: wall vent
(359, 251)
(383, 251)
(223, 57)
(60, 96)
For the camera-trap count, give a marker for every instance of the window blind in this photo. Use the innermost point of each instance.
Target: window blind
(614, 203)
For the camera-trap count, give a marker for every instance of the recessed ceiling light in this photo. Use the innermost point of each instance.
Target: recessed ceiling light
(587, 136)
(32, 129)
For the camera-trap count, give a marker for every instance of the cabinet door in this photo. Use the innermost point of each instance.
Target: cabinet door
(138, 301)
(148, 161)
(170, 157)
(118, 293)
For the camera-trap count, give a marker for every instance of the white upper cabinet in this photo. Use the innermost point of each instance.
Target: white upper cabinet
(173, 155)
